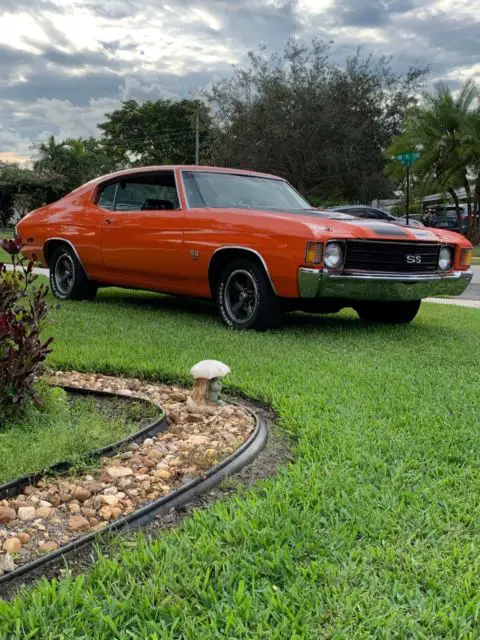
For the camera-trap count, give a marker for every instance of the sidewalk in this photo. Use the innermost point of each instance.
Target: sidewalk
(459, 302)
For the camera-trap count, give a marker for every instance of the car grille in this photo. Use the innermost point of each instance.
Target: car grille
(384, 256)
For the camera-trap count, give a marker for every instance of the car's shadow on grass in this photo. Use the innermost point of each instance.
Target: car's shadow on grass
(203, 311)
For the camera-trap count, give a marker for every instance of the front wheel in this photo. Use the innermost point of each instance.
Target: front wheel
(388, 312)
(68, 280)
(245, 298)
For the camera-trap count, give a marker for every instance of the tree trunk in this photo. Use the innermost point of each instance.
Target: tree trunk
(475, 238)
(468, 193)
(453, 193)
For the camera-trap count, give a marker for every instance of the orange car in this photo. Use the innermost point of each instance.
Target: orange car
(247, 240)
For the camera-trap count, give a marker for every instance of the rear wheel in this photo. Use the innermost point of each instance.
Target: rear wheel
(388, 312)
(68, 280)
(245, 298)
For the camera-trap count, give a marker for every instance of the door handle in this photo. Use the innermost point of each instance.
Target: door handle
(109, 220)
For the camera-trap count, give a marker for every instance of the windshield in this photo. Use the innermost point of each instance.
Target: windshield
(233, 190)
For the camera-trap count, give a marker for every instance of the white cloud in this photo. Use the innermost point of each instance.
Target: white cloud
(71, 61)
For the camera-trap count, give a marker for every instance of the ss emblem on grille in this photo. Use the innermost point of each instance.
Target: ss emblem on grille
(413, 259)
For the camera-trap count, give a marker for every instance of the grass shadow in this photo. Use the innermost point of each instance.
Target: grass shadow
(202, 310)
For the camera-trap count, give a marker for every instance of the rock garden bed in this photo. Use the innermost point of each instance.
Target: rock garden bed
(56, 510)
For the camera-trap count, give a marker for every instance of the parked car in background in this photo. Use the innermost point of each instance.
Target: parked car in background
(246, 240)
(445, 217)
(364, 211)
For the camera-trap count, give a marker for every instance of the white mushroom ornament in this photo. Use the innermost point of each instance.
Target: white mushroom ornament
(208, 376)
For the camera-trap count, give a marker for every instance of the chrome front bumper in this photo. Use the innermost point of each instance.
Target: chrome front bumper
(319, 283)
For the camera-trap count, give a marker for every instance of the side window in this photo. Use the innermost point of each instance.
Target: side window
(106, 199)
(378, 215)
(358, 213)
(154, 192)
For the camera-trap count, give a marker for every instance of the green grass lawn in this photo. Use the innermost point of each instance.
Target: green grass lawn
(4, 257)
(65, 429)
(371, 532)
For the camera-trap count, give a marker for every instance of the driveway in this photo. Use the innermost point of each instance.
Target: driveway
(470, 297)
(473, 290)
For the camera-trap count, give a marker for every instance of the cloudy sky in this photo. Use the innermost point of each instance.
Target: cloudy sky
(64, 63)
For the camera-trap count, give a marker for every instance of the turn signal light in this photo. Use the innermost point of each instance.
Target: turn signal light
(466, 257)
(314, 253)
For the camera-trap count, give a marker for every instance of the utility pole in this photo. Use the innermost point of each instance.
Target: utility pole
(408, 194)
(407, 159)
(197, 139)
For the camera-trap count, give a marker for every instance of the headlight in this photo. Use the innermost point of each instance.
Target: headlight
(333, 256)
(445, 259)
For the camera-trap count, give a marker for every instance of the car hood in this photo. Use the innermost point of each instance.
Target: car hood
(347, 226)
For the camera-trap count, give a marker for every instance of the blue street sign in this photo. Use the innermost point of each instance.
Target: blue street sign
(409, 158)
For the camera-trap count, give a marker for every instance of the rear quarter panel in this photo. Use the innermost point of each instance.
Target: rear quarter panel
(73, 218)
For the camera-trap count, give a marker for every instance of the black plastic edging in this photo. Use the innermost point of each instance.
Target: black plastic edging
(13, 487)
(178, 498)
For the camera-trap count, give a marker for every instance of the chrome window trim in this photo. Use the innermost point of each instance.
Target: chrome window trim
(116, 181)
(229, 173)
(184, 191)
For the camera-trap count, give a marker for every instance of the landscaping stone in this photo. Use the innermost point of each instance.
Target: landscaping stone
(81, 494)
(24, 537)
(57, 510)
(47, 546)
(74, 507)
(43, 512)
(119, 472)
(78, 523)
(6, 563)
(7, 514)
(162, 473)
(26, 513)
(12, 545)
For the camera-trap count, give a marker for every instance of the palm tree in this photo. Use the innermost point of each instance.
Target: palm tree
(470, 152)
(437, 128)
(74, 160)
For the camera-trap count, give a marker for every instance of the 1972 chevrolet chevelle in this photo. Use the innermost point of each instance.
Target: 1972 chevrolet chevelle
(247, 240)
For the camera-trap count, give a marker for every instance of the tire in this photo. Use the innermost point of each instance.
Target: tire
(68, 280)
(245, 298)
(388, 312)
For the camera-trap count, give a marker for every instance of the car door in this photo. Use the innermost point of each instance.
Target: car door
(142, 233)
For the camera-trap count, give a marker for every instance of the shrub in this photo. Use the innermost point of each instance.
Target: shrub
(23, 316)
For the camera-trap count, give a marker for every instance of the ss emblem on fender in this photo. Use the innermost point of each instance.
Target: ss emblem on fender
(195, 254)
(415, 259)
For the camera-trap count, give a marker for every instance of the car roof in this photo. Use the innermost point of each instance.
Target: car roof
(356, 206)
(172, 167)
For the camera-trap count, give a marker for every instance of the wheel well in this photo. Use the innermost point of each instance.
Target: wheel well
(221, 258)
(51, 246)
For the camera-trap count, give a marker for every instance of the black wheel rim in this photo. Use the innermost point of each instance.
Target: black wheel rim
(64, 274)
(241, 296)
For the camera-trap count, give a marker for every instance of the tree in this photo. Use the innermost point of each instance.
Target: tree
(160, 132)
(8, 190)
(22, 190)
(446, 131)
(322, 127)
(73, 161)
